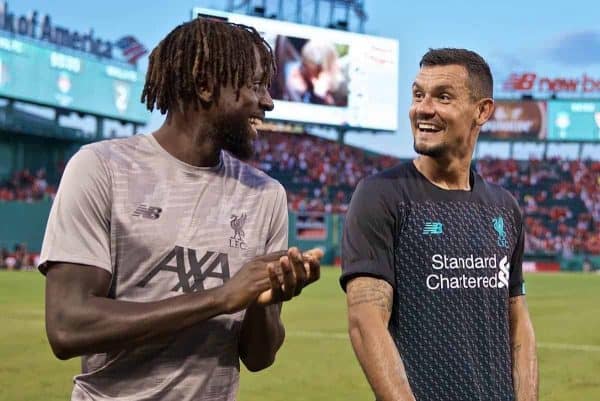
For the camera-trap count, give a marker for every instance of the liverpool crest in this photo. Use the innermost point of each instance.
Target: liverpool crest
(237, 224)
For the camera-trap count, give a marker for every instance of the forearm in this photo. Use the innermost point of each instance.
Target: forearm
(380, 360)
(524, 363)
(369, 311)
(101, 324)
(524, 358)
(261, 336)
(107, 324)
(81, 319)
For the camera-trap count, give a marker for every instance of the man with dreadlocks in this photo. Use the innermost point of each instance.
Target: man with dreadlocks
(165, 255)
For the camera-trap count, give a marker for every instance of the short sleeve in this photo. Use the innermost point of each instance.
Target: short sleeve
(516, 284)
(78, 229)
(278, 229)
(368, 238)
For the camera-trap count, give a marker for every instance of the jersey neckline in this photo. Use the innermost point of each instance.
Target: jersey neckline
(185, 166)
(458, 194)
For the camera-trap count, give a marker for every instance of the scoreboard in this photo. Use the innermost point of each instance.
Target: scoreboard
(548, 120)
(57, 77)
(574, 120)
(516, 120)
(356, 85)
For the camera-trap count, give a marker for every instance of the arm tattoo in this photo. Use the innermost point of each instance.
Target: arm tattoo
(515, 356)
(364, 290)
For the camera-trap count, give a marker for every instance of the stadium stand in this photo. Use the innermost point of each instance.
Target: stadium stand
(25, 186)
(560, 199)
(18, 259)
(319, 174)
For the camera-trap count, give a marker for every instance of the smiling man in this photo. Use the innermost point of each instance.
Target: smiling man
(432, 257)
(166, 255)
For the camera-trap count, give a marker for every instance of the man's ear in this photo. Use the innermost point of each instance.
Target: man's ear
(485, 109)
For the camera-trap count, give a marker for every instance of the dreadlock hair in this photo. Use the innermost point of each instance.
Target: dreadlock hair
(203, 54)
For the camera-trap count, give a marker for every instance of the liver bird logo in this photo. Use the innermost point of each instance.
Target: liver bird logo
(237, 224)
(499, 227)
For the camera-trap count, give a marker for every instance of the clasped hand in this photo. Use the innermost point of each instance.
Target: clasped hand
(290, 273)
(272, 278)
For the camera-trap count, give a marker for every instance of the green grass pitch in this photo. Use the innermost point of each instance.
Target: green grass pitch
(316, 362)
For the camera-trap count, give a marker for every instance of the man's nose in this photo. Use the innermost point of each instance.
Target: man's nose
(266, 102)
(425, 106)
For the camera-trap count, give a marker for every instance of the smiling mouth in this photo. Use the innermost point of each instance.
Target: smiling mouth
(429, 128)
(255, 122)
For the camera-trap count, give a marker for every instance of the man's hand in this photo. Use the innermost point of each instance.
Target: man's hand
(250, 281)
(291, 274)
(262, 331)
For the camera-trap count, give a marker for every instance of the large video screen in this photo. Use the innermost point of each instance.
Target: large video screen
(328, 77)
(516, 120)
(55, 77)
(573, 121)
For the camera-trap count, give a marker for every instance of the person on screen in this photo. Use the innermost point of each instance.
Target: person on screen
(432, 256)
(317, 78)
(165, 255)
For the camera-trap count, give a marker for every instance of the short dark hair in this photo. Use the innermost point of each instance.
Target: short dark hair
(481, 82)
(207, 53)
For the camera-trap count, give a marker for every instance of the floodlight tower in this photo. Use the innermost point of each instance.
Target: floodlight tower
(347, 15)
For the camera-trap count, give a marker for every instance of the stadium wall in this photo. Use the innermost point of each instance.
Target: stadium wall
(23, 223)
(19, 152)
(329, 239)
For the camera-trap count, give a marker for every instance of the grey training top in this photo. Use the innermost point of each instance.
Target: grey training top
(162, 228)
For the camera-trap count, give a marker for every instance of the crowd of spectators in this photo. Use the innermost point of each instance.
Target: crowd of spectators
(26, 186)
(18, 259)
(319, 174)
(560, 199)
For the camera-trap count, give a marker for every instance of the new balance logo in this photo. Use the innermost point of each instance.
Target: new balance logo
(520, 82)
(433, 228)
(147, 212)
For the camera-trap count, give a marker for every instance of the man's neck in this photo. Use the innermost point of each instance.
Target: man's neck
(187, 138)
(451, 174)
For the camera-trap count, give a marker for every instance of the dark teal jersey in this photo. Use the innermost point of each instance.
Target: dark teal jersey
(453, 258)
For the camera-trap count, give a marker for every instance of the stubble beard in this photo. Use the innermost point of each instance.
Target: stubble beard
(436, 151)
(232, 134)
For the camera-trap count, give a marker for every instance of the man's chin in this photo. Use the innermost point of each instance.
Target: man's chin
(242, 150)
(236, 139)
(431, 151)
